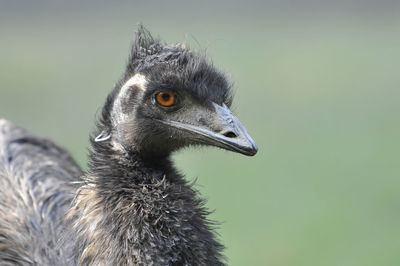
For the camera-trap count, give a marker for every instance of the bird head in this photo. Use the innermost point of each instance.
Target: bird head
(169, 98)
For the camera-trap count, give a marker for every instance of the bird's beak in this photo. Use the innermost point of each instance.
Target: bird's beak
(218, 128)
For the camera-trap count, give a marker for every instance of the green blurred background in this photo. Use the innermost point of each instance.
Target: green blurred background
(317, 86)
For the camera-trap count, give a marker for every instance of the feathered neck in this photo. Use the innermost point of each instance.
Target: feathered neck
(106, 161)
(134, 212)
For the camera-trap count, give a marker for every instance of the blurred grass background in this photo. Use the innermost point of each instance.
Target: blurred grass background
(317, 86)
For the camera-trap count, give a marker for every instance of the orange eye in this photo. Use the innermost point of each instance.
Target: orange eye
(165, 98)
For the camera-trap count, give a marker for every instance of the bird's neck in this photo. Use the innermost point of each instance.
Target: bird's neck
(111, 168)
(132, 211)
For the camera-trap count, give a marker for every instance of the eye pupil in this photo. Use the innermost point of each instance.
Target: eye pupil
(165, 96)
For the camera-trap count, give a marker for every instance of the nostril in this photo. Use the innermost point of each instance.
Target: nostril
(229, 134)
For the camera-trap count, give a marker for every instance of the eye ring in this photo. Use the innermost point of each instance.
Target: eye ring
(165, 98)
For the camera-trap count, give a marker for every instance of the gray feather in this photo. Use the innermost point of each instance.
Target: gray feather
(36, 189)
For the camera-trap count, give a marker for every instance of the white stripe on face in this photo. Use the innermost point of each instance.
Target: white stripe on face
(118, 117)
(138, 81)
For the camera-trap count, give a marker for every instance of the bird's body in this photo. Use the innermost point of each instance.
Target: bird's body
(132, 207)
(36, 189)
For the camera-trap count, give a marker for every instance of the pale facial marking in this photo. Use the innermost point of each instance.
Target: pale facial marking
(138, 81)
(118, 117)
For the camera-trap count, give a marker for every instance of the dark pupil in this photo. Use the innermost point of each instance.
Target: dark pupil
(165, 97)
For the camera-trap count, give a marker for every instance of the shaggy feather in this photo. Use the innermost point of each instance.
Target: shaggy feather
(132, 212)
(132, 207)
(35, 193)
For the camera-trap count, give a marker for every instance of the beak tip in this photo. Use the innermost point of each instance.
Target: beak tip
(254, 150)
(250, 150)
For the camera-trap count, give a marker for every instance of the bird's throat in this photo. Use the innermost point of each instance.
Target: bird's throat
(140, 206)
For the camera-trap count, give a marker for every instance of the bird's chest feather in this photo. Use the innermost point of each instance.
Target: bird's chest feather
(154, 223)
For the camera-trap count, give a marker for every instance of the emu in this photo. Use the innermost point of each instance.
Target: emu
(132, 207)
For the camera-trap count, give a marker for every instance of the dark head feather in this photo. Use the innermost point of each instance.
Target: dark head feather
(170, 67)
